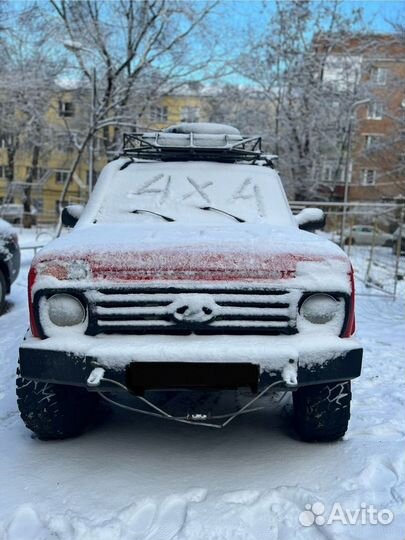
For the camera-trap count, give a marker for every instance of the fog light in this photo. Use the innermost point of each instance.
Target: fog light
(65, 310)
(319, 308)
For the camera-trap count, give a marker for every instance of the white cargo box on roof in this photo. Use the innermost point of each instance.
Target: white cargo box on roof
(201, 135)
(182, 140)
(203, 128)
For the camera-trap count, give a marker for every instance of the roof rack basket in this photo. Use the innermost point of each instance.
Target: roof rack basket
(192, 147)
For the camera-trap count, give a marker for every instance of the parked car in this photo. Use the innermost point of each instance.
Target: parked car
(14, 213)
(187, 270)
(9, 260)
(364, 235)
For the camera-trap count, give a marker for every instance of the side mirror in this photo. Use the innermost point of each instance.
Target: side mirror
(311, 219)
(71, 214)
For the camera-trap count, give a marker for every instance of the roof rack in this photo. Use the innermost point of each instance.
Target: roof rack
(165, 146)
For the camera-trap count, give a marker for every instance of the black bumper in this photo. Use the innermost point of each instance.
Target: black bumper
(67, 368)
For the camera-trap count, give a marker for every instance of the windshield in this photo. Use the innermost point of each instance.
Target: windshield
(183, 192)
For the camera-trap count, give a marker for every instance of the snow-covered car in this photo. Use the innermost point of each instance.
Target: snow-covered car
(364, 235)
(14, 213)
(9, 260)
(187, 271)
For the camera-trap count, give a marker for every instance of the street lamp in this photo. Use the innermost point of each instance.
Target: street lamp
(353, 107)
(76, 46)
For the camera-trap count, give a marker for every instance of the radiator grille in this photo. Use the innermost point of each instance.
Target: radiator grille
(152, 311)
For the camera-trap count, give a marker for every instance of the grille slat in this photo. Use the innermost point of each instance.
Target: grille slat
(246, 310)
(222, 311)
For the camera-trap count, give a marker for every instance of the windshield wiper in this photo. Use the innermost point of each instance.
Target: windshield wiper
(140, 211)
(240, 220)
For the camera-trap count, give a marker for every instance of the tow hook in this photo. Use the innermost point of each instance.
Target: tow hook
(96, 376)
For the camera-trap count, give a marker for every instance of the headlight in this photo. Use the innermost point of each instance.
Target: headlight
(319, 308)
(65, 310)
(321, 312)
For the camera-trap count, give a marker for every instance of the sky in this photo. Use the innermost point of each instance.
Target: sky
(378, 12)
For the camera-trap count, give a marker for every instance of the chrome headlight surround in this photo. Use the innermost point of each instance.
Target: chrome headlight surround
(322, 313)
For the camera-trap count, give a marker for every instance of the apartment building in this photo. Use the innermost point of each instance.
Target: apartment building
(372, 69)
(58, 147)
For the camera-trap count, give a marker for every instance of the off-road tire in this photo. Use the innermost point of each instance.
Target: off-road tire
(3, 288)
(322, 411)
(56, 411)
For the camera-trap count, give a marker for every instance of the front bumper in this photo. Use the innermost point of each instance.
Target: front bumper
(219, 361)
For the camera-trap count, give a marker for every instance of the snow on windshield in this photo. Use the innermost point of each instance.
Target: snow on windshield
(196, 192)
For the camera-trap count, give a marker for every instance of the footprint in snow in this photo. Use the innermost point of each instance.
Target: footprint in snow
(245, 496)
(170, 519)
(379, 472)
(138, 519)
(25, 525)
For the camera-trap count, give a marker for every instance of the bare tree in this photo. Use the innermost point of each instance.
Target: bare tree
(26, 90)
(141, 49)
(306, 112)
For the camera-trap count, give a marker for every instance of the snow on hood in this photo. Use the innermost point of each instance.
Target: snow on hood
(243, 252)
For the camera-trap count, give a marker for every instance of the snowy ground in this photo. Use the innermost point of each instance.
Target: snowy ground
(143, 479)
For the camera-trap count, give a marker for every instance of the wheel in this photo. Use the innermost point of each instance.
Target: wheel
(3, 288)
(55, 411)
(322, 411)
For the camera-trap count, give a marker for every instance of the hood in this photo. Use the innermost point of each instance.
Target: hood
(169, 251)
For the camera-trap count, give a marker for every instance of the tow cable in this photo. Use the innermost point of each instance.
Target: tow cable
(97, 376)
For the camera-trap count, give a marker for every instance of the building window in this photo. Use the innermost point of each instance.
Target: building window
(327, 174)
(333, 175)
(158, 113)
(40, 173)
(2, 171)
(375, 111)
(66, 109)
(369, 177)
(61, 176)
(372, 141)
(190, 114)
(378, 75)
(6, 140)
